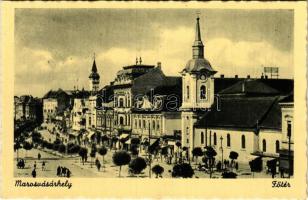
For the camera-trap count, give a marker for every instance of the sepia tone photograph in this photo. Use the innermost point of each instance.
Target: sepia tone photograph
(154, 93)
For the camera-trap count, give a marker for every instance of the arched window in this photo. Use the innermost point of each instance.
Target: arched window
(202, 138)
(243, 142)
(277, 146)
(187, 92)
(139, 123)
(228, 140)
(121, 102)
(215, 139)
(202, 92)
(153, 125)
(121, 120)
(157, 125)
(144, 125)
(264, 145)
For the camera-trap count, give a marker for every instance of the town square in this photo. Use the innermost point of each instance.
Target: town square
(206, 118)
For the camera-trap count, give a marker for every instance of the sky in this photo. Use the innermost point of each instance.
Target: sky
(54, 48)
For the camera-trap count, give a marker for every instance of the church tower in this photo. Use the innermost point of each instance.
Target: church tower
(94, 78)
(197, 89)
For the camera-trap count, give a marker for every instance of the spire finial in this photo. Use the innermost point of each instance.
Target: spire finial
(140, 60)
(94, 56)
(136, 60)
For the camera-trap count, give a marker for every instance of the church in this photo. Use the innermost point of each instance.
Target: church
(253, 117)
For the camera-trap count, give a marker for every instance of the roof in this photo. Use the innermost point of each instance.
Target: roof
(94, 74)
(198, 65)
(105, 94)
(284, 86)
(223, 83)
(250, 87)
(55, 94)
(242, 112)
(288, 99)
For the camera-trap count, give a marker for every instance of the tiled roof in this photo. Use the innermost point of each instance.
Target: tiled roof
(242, 112)
(250, 87)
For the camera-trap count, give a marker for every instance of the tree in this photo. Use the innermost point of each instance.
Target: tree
(83, 153)
(103, 151)
(197, 151)
(27, 146)
(183, 170)
(62, 148)
(233, 156)
(256, 165)
(92, 154)
(158, 170)
(210, 154)
(36, 137)
(121, 158)
(137, 165)
(17, 146)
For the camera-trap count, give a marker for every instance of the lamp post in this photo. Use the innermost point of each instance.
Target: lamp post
(150, 158)
(222, 152)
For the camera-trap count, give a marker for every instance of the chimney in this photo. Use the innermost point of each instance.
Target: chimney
(248, 76)
(222, 76)
(236, 76)
(159, 65)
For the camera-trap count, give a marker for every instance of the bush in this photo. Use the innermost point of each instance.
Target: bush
(158, 170)
(137, 165)
(229, 175)
(183, 170)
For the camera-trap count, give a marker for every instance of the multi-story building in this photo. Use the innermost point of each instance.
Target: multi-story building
(54, 104)
(27, 107)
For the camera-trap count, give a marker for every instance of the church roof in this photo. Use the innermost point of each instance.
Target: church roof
(94, 74)
(243, 112)
(199, 64)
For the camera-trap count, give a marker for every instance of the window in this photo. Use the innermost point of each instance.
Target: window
(139, 123)
(264, 145)
(135, 123)
(187, 92)
(228, 140)
(243, 142)
(277, 146)
(202, 138)
(153, 124)
(289, 129)
(121, 102)
(187, 130)
(121, 120)
(157, 125)
(202, 92)
(144, 125)
(215, 139)
(187, 141)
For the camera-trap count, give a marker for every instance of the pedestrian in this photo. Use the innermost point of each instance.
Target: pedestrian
(64, 171)
(68, 173)
(43, 166)
(98, 165)
(33, 173)
(58, 171)
(34, 164)
(281, 173)
(39, 156)
(236, 165)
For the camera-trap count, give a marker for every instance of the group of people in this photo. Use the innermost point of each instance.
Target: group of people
(34, 168)
(21, 163)
(63, 171)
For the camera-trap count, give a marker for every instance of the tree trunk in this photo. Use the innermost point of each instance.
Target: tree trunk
(103, 164)
(120, 171)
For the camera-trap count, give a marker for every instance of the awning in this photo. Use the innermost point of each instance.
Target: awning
(124, 135)
(90, 134)
(128, 141)
(74, 133)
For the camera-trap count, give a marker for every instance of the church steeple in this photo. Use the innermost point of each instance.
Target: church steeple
(94, 77)
(198, 47)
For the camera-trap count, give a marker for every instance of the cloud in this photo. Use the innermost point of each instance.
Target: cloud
(42, 71)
